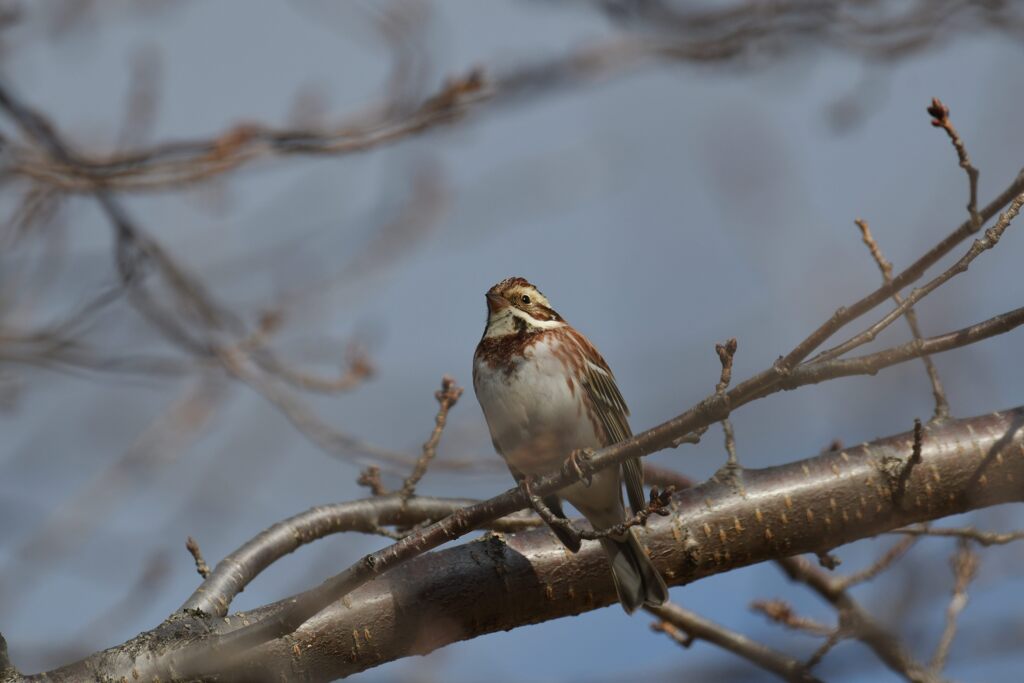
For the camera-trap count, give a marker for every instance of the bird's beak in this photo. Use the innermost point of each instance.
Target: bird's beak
(495, 302)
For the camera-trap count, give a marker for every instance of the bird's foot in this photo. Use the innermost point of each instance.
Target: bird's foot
(578, 464)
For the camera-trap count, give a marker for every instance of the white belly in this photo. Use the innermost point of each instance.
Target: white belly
(535, 416)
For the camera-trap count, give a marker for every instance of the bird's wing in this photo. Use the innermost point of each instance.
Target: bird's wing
(612, 412)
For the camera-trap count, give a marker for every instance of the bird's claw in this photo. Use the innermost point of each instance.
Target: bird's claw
(578, 463)
(526, 485)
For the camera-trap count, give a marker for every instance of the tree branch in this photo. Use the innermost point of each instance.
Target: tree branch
(711, 409)
(938, 393)
(858, 623)
(697, 627)
(504, 581)
(846, 314)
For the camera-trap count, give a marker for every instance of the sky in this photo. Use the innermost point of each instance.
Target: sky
(661, 211)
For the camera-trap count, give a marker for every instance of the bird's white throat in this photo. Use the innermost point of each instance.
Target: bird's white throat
(510, 320)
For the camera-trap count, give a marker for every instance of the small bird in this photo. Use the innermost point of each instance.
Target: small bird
(546, 392)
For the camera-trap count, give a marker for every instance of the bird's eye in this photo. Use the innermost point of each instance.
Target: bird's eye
(525, 299)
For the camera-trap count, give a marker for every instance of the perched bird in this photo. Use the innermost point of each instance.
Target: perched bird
(546, 392)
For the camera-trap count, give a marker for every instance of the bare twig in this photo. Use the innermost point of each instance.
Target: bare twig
(856, 622)
(142, 99)
(446, 397)
(965, 566)
(303, 418)
(781, 612)
(873, 362)
(137, 254)
(685, 626)
(846, 314)
(197, 555)
(940, 119)
(674, 632)
(878, 566)
(828, 560)
(939, 394)
(834, 638)
(907, 467)
(725, 353)
(985, 538)
(722, 35)
(657, 505)
(370, 478)
(981, 245)
(163, 440)
(358, 369)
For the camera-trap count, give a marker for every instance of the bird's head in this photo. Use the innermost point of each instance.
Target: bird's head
(514, 306)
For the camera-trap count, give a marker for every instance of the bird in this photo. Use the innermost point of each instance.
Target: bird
(547, 393)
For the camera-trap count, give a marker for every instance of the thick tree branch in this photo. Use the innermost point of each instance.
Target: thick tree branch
(504, 581)
(711, 409)
(237, 570)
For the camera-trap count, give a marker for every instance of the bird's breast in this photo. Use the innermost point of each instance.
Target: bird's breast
(534, 407)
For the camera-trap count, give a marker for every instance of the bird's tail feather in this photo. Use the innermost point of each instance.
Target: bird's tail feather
(636, 580)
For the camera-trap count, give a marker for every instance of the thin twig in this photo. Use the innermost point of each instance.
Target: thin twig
(846, 314)
(781, 612)
(834, 638)
(723, 35)
(878, 566)
(684, 626)
(197, 555)
(657, 505)
(907, 467)
(939, 394)
(980, 245)
(370, 478)
(856, 622)
(726, 352)
(940, 119)
(357, 370)
(446, 397)
(965, 567)
(985, 538)
(683, 638)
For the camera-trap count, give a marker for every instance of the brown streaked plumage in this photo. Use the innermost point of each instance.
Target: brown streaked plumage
(546, 391)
